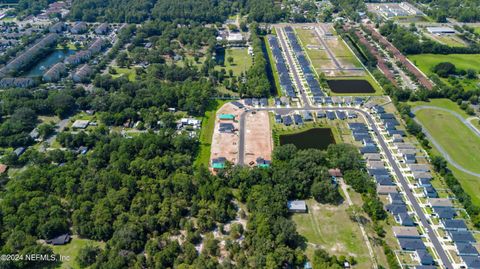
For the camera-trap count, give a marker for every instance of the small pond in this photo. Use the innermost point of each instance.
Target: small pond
(316, 138)
(48, 61)
(350, 86)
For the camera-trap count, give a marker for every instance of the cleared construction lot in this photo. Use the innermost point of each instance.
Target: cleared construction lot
(258, 137)
(225, 144)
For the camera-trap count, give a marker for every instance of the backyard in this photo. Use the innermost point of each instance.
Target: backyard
(71, 250)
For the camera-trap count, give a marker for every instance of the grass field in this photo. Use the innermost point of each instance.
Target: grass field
(449, 40)
(241, 60)
(206, 133)
(71, 250)
(456, 139)
(320, 226)
(462, 61)
(128, 72)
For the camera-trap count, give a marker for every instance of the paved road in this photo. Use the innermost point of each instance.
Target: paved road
(390, 158)
(438, 146)
(382, 143)
(291, 65)
(327, 48)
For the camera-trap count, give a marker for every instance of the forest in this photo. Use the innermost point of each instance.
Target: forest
(140, 194)
(202, 11)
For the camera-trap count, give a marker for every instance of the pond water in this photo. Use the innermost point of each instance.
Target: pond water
(220, 55)
(350, 86)
(48, 61)
(316, 138)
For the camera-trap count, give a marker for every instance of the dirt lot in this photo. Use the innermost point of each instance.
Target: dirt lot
(258, 137)
(226, 144)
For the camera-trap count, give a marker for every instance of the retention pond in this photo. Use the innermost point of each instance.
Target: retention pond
(350, 86)
(316, 138)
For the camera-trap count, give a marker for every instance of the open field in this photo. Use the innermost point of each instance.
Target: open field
(258, 137)
(462, 61)
(71, 250)
(241, 60)
(456, 139)
(320, 227)
(128, 72)
(449, 40)
(319, 57)
(206, 132)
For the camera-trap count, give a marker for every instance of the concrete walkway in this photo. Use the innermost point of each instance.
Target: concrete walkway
(438, 146)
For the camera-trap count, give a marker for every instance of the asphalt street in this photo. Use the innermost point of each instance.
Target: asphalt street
(382, 143)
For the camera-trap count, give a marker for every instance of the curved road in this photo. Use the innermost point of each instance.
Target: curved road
(382, 143)
(438, 146)
(390, 158)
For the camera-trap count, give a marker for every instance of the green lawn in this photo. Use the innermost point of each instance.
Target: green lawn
(456, 138)
(462, 61)
(320, 226)
(129, 72)
(206, 133)
(71, 250)
(443, 103)
(241, 60)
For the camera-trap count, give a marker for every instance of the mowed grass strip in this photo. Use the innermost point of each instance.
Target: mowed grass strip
(329, 227)
(453, 136)
(206, 133)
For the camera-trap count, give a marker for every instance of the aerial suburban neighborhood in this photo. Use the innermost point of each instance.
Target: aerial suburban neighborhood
(240, 134)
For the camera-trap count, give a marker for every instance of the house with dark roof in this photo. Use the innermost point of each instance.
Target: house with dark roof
(471, 262)
(444, 212)
(395, 198)
(462, 237)
(287, 120)
(454, 224)
(298, 119)
(59, 240)
(278, 118)
(226, 127)
(430, 192)
(466, 249)
(423, 257)
(396, 209)
(411, 244)
(404, 219)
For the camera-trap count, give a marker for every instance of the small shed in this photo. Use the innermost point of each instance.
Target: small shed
(297, 206)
